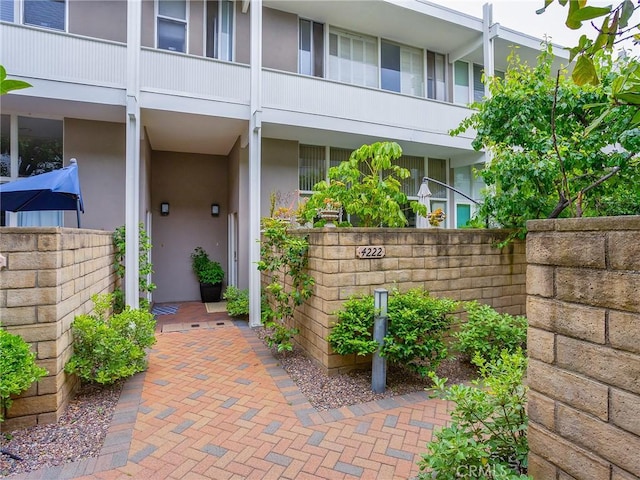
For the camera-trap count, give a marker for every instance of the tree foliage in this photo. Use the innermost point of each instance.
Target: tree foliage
(557, 150)
(368, 185)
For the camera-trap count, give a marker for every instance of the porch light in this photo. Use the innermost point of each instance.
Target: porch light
(215, 209)
(164, 209)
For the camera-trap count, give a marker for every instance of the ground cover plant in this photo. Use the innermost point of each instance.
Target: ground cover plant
(108, 348)
(18, 369)
(237, 301)
(487, 435)
(487, 332)
(417, 325)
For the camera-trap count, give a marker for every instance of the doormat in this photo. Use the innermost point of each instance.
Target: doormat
(195, 325)
(164, 309)
(216, 307)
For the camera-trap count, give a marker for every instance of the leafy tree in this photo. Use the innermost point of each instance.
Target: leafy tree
(368, 185)
(550, 157)
(615, 31)
(8, 84)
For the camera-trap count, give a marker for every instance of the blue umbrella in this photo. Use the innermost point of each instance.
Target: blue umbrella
(56, 190)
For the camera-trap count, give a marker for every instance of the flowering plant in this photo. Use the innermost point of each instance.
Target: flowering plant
(331, 204)
(436, 217)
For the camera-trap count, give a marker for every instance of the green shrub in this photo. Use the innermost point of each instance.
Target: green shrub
(488, 332)
(486, 438)
(18, 369)
(237, 301)
(417, 323)
(108, 349)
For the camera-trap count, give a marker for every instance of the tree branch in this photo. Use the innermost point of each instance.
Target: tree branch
(564, 193)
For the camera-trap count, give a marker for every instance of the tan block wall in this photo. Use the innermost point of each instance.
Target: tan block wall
(458, 264)
(583, 286)
(50, 277)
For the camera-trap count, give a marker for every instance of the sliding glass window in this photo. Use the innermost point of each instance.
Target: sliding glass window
(402, 69)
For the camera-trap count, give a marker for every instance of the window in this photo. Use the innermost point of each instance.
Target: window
(172, 25)
(311, 48)
(220, 28)
(311, 166)
(478, 86)
(353, 58)
(39, 150)
(461, 83)
(466, 181)
(402, 69)
(415, 165)
(45, 13)
(436, 87)
(5, 146)
(6, 10)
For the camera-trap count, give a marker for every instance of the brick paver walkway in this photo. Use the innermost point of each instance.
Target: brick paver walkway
(214, 404)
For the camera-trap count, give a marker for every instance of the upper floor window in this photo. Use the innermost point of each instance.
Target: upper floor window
(353, 58)
(44, 13)
(172, 25)
(436, 87)
(311, 48)
(6, 10)
(402, 69)
(461, 83)
(220, 29)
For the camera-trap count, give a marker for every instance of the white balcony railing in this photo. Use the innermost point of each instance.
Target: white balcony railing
(303, 94)
(48, 54)
(176, 73)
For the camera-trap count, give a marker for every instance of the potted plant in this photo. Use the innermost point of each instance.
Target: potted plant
(210, 275)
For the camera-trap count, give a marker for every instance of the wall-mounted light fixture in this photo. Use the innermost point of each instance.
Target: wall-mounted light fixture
(215, 209)
(164, 209)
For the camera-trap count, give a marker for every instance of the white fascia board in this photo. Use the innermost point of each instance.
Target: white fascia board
(76, 92)
(530, 41)
(438, 11)
(199, 106)
(441, 139)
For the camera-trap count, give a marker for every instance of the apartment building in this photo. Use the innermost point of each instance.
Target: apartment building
(209, 106)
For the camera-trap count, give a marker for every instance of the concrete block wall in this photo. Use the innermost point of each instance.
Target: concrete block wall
(50, 276)
(583, 307)
(459, 264)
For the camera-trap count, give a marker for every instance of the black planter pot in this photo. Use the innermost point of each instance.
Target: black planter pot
(210, 292)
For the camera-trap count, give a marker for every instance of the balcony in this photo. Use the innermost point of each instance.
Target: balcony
(299, 100)
(37, 53)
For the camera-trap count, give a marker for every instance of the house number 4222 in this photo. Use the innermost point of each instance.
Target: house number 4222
(370, 252)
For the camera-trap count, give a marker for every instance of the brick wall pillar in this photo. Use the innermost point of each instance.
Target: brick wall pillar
(50, 276)
(583, 306)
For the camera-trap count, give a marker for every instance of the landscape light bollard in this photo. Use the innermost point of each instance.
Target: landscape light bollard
(379, 363)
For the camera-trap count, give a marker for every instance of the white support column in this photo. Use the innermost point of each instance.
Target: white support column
(132, 169)
(255, 160)
(487, 44)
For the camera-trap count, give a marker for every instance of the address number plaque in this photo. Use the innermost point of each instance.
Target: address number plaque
(370, 252)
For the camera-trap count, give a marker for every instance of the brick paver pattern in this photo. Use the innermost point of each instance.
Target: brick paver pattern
(214, 404)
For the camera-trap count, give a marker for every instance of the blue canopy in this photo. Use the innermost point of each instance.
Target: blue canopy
(56, 190)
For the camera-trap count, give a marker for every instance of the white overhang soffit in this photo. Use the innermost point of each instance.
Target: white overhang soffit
(465, 50)
(245, 6)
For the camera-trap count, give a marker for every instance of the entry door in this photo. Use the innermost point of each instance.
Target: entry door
(233, 249)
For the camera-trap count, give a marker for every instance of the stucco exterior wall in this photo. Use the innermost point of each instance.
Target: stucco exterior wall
(583, 285)
(458, 264)
(99, 148)
(104, 19)
(50, 277)
(279, 170)
(190, 183)
(280, 40)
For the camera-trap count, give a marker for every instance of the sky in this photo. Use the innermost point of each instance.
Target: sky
(521, 15)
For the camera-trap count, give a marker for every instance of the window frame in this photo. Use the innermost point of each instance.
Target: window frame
(314, 55)
(352, 36)
(410, 49)
(19, 12)
(184, 21)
